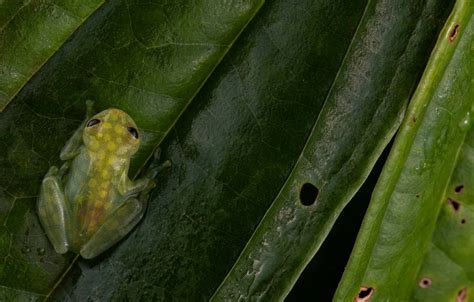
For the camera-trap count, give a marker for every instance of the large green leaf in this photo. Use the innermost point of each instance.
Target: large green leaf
(235, 147)
(30, 32)
(149, 59)
(419, 223)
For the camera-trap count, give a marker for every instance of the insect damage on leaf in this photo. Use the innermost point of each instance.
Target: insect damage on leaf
(459, 189)
(462, 295)
(453, 34)
(455, 204)
(425, 282)
(365, 294)
(308, 194)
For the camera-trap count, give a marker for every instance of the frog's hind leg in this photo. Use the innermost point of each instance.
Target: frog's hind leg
(115, 227)
(52, 210)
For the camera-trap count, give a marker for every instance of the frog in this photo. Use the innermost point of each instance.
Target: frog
(90, 203)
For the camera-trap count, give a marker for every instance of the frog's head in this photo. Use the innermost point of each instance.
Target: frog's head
(112, 131)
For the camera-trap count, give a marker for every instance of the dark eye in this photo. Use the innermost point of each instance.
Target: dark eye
(133, 132)
(93, 122)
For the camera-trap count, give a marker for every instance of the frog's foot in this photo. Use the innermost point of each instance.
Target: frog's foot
(165, 165)
(157, 154)
(72, 147)
(115, 227)
(52, 172)
(64, 169)
(155, 168)
(52, 210)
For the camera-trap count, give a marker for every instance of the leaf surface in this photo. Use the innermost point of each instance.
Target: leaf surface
(235, 148)
(31, 31)
(148, 59)
(419, 221)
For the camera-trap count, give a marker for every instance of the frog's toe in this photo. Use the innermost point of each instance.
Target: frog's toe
(166, 164)
(87, 254)
(157, 154)
(61, 249)
(53, 171)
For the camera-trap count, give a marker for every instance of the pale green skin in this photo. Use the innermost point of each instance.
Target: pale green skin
(90, 203)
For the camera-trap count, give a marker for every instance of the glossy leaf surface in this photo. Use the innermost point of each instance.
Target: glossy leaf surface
(31, 31)
(419, 222)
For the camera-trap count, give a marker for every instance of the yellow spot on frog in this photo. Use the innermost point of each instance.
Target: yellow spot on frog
(107, 137)
(105, 174)
(92, 182)
(107, 125)
(94, 144)
(111, 146)
(103, 193)
(113, 115)
(101, 154)
(105, 184)
(118, 128)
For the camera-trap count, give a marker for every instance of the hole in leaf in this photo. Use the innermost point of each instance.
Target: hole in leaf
(425, 282)
(454, 33)
(417, 195)
(463, 221)
(455, 204)
(308, 194)
(462, 295)
(458, 189)
(364, 295)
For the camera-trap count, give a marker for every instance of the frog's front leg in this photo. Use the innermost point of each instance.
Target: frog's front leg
(128, 187)
(115, 227)
(145, 184)
(52, 210)
(71, 149)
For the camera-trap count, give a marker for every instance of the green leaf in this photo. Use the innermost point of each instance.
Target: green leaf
(148, 59)
(447, 265)
(417, 225)
(30, 33)
(235, 147)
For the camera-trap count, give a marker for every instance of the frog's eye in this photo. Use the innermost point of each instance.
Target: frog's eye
(93, 122)
(133, 132)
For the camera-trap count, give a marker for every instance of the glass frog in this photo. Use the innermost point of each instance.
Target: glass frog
(90, 203)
